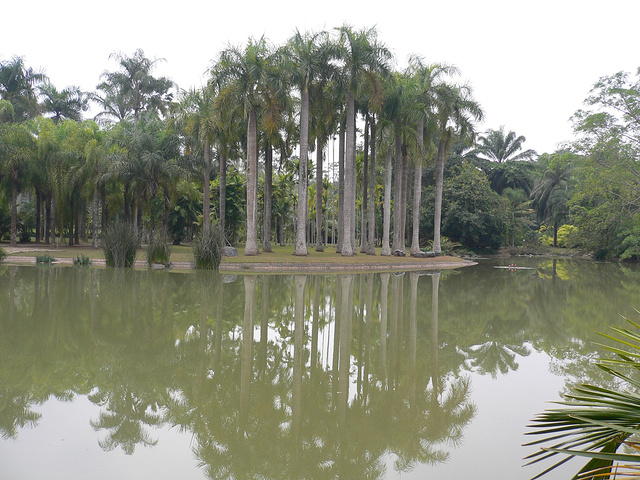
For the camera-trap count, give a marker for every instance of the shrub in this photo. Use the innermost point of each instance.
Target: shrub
(207, 249)
(159, 250)
(45, 258)
(566, 234)
(3, 254)
(447, 246)
(82, 260)
(120, 243)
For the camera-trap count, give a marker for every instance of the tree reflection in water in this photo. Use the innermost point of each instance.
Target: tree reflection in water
(284, 376)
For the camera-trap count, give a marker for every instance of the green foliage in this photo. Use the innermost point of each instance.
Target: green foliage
(3, 254)
(183, 217)
(631, 244)
(235, 203)
(472, 213)
(208, 248)
(159, 250)
(566, 236)
(605, 205)
(82, 260)
(447, 245)
(45, 258)
(5, 219)
(120, 242)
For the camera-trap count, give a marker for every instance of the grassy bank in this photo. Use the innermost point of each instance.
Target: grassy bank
(279, 256)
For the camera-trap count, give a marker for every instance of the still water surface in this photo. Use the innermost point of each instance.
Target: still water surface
(110, 374)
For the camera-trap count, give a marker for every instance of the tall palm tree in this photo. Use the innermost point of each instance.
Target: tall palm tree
(495, 146)
(67, 103)
(305, 61)
(18, 86)
(425, 78)
(278, 127)
(197, 119)
(551, 195)
(325, 107)
(242, 74)
(363, 57)
(456, 110)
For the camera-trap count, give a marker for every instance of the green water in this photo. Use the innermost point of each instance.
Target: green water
(109, 374)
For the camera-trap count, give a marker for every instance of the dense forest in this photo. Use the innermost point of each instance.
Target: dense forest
(318, 142)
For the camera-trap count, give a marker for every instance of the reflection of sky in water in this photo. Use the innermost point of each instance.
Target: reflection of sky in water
(492, 444)
(67, 449)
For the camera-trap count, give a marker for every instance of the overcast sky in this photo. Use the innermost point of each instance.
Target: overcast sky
(530, 63)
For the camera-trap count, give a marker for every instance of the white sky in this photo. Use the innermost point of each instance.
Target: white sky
(531, 63)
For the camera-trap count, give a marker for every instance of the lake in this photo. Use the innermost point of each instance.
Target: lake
(107, 373)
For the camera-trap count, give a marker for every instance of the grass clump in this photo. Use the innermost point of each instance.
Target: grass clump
(159, 250)
(82, 260)
(120, 243)
(45, 258)
(208, 248)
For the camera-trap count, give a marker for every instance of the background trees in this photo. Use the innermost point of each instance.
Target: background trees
(265, 109)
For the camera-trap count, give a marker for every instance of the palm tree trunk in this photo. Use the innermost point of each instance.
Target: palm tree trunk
(125, 194)
(223, 188)
(437, 215)
(251, 245)
(268, 199)
(319, 148)
(341, 141)
(349, 179)
(206, 191)
(397, 192)
(14, 209)
(364, 241)
(53, 218)
(105, 208)
(47, 224)
(386, 220)
(38, 215)
(417, 192)
(95, 214)
(371, 223)
(417, 189)
(403, 197)
(301, 240)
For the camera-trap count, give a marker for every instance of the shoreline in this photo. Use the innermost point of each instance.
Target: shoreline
(398, 264)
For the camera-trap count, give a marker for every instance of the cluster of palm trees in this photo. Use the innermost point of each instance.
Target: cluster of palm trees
(259, 101)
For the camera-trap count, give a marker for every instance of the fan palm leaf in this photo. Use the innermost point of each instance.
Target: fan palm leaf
(595, 421)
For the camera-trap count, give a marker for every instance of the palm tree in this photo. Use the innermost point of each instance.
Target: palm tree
(16, 149)
(425, 78)
(242, 74)
(551, 195)
(133, 87)
(68, 103)
(495, 146)
(146, 158)
(455, 112)
(18, 86)
(112, 103)
(305, 61)
(197, 118)
(325, 106)
(363, 58)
